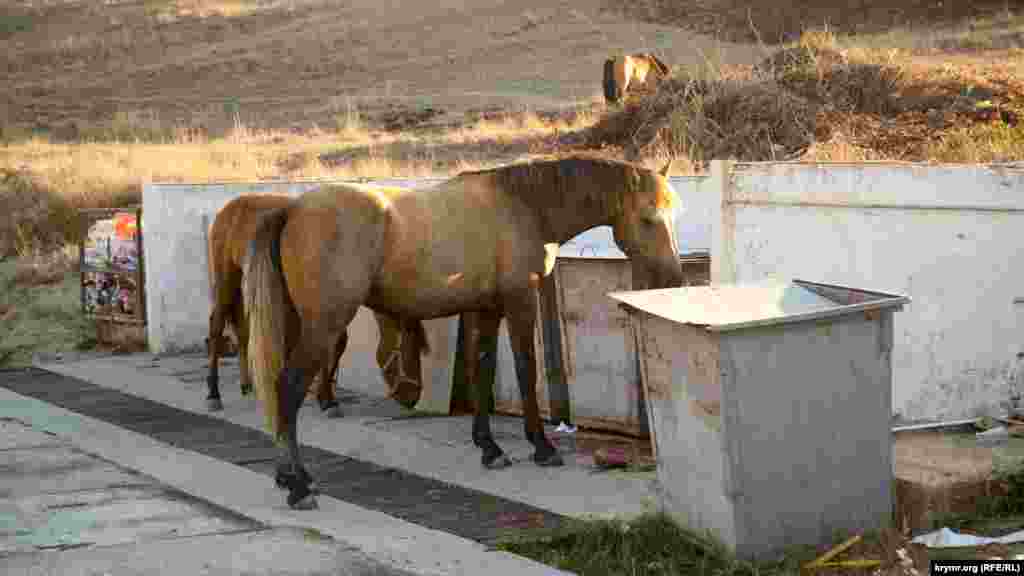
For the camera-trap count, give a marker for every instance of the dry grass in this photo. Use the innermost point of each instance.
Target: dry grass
(823, 98)
(44, 183)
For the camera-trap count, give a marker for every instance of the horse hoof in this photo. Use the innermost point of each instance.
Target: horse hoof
(214, 404)
(502, 461)
(246, 390)
(301, 497)
(307, 503)
(551, 460)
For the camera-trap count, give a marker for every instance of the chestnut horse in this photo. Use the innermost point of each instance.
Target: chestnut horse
(474, 245)
(625, 71)
(230, 233)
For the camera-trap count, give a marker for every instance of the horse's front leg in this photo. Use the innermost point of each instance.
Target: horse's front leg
(477, 324)
(521, 314)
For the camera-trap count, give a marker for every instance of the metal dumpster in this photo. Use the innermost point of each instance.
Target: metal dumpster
(598, 360)
(769, 407)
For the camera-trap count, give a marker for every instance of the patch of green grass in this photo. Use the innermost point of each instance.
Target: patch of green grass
(12, 23)
(1000, 513)
(531, 86)
(649, 545)
(40, 318)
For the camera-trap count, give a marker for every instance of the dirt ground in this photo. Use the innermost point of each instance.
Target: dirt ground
(780, 21)
(278, 64)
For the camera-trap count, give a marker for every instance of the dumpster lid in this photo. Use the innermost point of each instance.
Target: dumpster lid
(727, 307)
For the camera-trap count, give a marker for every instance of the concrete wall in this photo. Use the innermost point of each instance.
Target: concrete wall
(947, 236)
(177, 218)
(694, 215)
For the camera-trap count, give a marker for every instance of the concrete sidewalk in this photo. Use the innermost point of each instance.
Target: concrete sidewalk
(373, 433)
(374, 430)
(66, 512)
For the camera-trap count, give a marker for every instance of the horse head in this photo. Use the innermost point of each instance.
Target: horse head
(644, 230)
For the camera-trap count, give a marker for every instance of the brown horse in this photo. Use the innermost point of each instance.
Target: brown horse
(474, 244)
(232, 228)
(625, 71)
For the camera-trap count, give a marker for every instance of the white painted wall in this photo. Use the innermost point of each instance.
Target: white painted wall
(950, 237)
(693, 223)
(177, 285)
(177, 218)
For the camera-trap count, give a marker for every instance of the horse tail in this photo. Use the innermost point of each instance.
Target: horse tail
(609, 81)
(267, 306)
(211, 275)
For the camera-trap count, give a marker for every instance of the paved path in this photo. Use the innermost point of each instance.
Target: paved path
(64, 511)
(407, 492)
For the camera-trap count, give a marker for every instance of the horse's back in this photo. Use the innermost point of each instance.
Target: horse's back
(235, 224)
(333, 241)
(444, 247)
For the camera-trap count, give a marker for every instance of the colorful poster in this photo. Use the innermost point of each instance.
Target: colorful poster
(112, 243)
(107, 294)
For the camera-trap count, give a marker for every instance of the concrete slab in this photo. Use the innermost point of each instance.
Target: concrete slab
(31, 470)
(141, 528)
(398, 545)
(104, 517)
(424, 446)
(278, 551)
(16, 435)
(55, 496)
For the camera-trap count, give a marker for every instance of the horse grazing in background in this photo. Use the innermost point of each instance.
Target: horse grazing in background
(631, 70)
(230, 233)
(472, 244)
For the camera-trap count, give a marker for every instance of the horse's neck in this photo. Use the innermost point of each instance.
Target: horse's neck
(572, 213)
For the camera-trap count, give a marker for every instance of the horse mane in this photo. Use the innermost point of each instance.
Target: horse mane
(656, 62)
(609, 80)
(551, 178)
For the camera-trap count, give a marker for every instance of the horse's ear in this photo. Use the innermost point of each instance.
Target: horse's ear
(664, 171)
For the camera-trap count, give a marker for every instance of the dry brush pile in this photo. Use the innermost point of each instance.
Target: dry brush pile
(816, 101)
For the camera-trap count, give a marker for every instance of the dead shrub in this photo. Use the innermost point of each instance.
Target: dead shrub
(816, 101)
(739, 118)
(42, 268)
(33, 217)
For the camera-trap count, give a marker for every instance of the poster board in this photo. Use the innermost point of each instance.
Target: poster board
(112, 283)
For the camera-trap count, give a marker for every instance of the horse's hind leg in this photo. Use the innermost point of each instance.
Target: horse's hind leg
(478, 324)
(325, 395)
(295, 379)
(223, 305)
